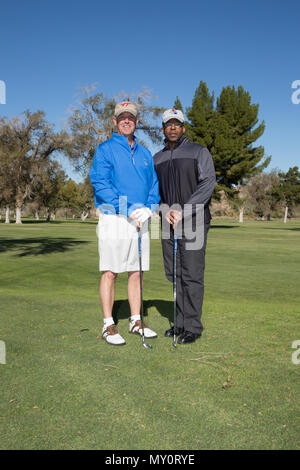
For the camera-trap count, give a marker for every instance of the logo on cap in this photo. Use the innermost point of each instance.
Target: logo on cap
(173, 114)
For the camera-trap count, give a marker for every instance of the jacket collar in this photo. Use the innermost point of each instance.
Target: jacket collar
(122, 140)
(179, 142)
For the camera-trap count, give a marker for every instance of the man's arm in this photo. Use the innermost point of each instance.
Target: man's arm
(143, 213)
(205, 187)
(154, 196)
(206, 179)
(100, 176)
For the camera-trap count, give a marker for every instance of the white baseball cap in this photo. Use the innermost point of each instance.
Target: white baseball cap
(173, 114)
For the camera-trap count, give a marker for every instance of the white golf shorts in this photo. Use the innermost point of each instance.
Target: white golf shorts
(118, 244)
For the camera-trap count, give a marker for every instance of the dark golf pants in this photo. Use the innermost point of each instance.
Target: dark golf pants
(189, 280)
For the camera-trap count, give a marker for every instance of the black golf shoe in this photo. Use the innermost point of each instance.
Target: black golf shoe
(170, 333)
(188, 337)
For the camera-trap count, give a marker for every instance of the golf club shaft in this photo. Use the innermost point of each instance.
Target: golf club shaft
(141, 287)
(174, 286)
(141, 279)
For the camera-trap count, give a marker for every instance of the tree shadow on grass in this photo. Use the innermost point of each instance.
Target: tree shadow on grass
(295, 229)
(61, 221)
(121, 309)
(224, 226)
(54, 222)
(39, 246)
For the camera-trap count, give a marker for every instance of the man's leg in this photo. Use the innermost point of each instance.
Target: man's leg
(134, 299)
(168, 256)
(192, 272)
(133, 292)
(107, 292)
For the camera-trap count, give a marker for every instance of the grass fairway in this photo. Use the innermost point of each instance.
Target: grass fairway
(62, 387)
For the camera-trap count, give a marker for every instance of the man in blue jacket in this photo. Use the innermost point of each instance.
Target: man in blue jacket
(126, 193)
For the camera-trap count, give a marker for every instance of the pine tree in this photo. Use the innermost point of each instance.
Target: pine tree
(200, 115)
(288, 189)
(228, 130)
(177, 104)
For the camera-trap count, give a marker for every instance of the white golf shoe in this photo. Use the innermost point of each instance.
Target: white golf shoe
(112, 336)
(136, 329)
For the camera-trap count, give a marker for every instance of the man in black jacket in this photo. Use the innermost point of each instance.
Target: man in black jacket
(187, 179)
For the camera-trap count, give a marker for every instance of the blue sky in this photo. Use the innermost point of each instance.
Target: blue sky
(51, 48)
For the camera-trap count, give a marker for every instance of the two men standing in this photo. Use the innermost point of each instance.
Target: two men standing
(183, 174)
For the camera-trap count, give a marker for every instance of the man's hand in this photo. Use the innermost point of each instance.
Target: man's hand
(140, 216)
(139, 224)
(173, 217)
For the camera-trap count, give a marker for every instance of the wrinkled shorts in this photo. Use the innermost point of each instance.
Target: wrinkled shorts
(118, 244)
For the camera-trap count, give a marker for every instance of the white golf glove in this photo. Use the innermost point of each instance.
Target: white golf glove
(142, 214)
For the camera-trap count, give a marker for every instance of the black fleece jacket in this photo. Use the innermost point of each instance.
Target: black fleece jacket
(186, 175)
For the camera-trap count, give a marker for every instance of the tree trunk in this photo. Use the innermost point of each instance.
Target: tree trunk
(84, 216)
(285, 214)
(19, 204)
(47, 215)
(18, 215)
(52, 215)
(241, 220)
(7, 212)
(37, 217)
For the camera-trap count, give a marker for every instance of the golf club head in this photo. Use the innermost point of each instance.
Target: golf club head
(146, 345)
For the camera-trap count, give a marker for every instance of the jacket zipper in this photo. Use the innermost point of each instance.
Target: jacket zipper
(173, 177)
(171, 161)
(132, 154)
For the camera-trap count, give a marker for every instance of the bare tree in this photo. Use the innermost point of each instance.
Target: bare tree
(46, 193)
(257, 194)
(91, 123)
(25, 150)
(85, 198)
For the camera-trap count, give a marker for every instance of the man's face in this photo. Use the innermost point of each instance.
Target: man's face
(173, 130)
(126, 124)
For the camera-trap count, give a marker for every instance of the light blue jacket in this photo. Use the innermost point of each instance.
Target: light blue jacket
(118, 172)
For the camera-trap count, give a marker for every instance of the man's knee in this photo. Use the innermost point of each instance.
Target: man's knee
(109, 275)
(133, 273)
(134, 276)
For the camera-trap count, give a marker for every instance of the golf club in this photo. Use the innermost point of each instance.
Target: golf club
(174, 288)
(146, 345)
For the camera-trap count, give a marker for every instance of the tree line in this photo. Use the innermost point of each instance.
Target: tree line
(32, 177)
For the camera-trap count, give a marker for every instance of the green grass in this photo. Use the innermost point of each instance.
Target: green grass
(62, 387)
